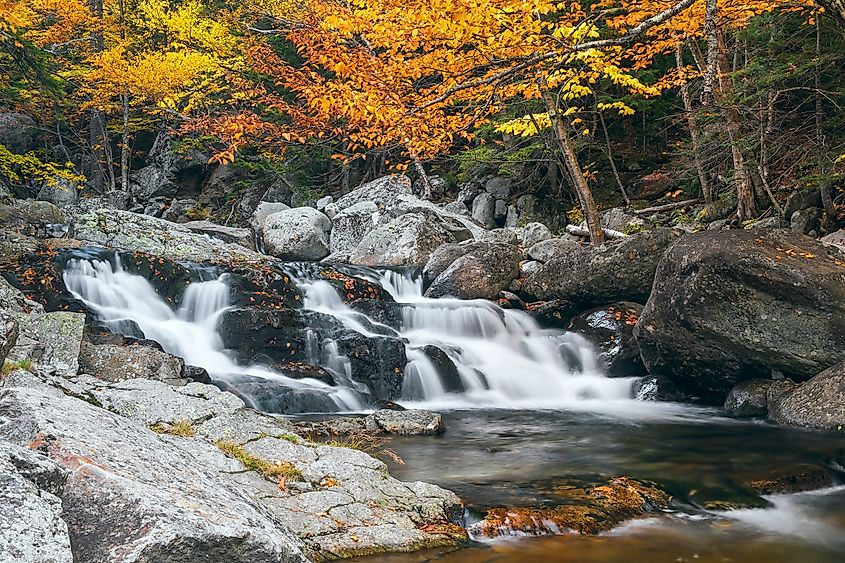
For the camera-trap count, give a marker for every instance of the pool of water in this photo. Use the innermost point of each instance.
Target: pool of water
(525, 458)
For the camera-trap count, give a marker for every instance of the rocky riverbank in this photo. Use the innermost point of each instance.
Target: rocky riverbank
(115, 449)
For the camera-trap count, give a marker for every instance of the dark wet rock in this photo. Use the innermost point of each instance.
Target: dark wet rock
(297, 234)
(119, 363)
(591, 276)
(508, 300)
(31, 525)
(729, 306)
(385, 312)
(446, 369)
(801, 200)
(266, 287)
(817, 404)
(748, 399)
(300, 370)
(792, 480)
(351, 288)
(654, 388)
(196, 374)
(611, 330)
(481, 273)
(284, 336)
(31, 217)
(276, 397)
(806, 221)
(591, 511)
(555, 313)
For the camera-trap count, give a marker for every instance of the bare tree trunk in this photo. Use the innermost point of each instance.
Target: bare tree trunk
(612, 162)
(426, 182)
(570, 160)
(706, 189)
(710, 33)
(124, 102)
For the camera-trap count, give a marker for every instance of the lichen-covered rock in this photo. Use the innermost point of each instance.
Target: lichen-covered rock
(409, 240)
(592, 276)
(111, 362)
(125, 230)
(545, 250)
(134, 496)
(51, 341)
(532, 233)
(60, 192)
(481, 273)
(409, 422)
(748, 399)
(297, 234)
(734, 305)
(262, 211)
(150, 182)
(234, 235)
(383, 192)
(31, 525)
(351, 225)
(818, 403)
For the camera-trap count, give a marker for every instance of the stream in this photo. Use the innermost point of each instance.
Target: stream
(535, 418)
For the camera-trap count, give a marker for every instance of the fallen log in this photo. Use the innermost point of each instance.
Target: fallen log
(667, 207)
(580, 231)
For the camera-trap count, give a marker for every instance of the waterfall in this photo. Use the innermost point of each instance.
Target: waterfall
(501, 358)
(120, 298)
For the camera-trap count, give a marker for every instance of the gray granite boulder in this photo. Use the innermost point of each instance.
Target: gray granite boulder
(351, 225)
(408, 240)
(297, 234)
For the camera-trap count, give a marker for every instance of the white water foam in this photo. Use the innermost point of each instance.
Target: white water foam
(190, 332)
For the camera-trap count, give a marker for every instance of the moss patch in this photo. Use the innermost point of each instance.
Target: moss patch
(281, 470)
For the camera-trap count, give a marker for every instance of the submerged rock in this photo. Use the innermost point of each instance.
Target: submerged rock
(728, 306)
(593, 510)
(748, 399)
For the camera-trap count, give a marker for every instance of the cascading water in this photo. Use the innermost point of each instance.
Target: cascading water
(120, 299)
(502, 357)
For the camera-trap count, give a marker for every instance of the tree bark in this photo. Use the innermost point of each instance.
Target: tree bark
(570, 160)
(706, 189)
(710, 33)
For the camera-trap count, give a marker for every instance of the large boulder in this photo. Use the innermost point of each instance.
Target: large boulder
(734, 305)
(60, 192)
(351, 225)
(484, 210)
(49, 341)
(151, 182)
(125, 230)
(481, 273)
(617, 271)
(31, 217)
(132, 495)
(545, 250)
(610, 329)
(262, 211)
(382, 192)
(407, 240)
(17, 132)
(31, 525)
(818, 403)
(532, 233)
(297, 234)
(748, 398)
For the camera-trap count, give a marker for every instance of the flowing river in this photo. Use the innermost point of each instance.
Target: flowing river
(536, 416)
